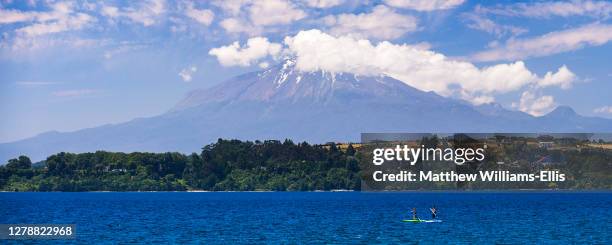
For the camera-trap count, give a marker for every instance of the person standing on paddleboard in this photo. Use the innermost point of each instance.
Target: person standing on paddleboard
(434, 212)
(414, 214)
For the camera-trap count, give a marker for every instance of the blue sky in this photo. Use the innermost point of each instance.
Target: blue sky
(71, 65)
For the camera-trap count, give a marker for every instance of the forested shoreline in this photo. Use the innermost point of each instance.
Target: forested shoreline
(234, 165)
(230, 165)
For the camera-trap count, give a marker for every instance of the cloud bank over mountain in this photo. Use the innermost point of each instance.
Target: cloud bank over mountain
(423, 69)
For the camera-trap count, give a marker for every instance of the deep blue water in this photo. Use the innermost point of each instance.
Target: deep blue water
(295, 217)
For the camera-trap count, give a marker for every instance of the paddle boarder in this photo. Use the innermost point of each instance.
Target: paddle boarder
(434, 212)
(414, 214)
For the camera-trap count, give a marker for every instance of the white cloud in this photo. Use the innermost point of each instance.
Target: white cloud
(58, 11)
(323, 3)
(60, 18)
(8, 16)
(547, 9)
(425, 5)
(255, 49)
(422, 69)
(251, 17)
(534, 105)
(603, 110)
(187, 73)
(274, 12)
(562, 78)
(482, 23)
(237, 25)
(110, 11)
(381, 23)
(202, 16)
(483, 99)
(548, 44)
(264, 65)
(233, 7)
(147, 13)
(72, 22)
(74, 92)
(36, 27)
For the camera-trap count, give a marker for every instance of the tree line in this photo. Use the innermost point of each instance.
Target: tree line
(234, 165)
(227, 165)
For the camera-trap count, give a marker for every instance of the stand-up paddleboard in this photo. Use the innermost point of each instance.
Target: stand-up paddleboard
(422, 220)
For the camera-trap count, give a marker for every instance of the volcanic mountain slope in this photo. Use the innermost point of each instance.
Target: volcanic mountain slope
(282, 102)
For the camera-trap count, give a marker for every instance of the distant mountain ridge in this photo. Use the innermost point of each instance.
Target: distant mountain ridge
(281, 102)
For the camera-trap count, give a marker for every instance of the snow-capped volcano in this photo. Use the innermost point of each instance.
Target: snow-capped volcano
(285, 83)
(282, 102)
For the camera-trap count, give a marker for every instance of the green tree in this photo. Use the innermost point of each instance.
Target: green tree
(22, 162)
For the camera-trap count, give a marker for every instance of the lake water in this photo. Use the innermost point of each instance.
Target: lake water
(319, 217)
